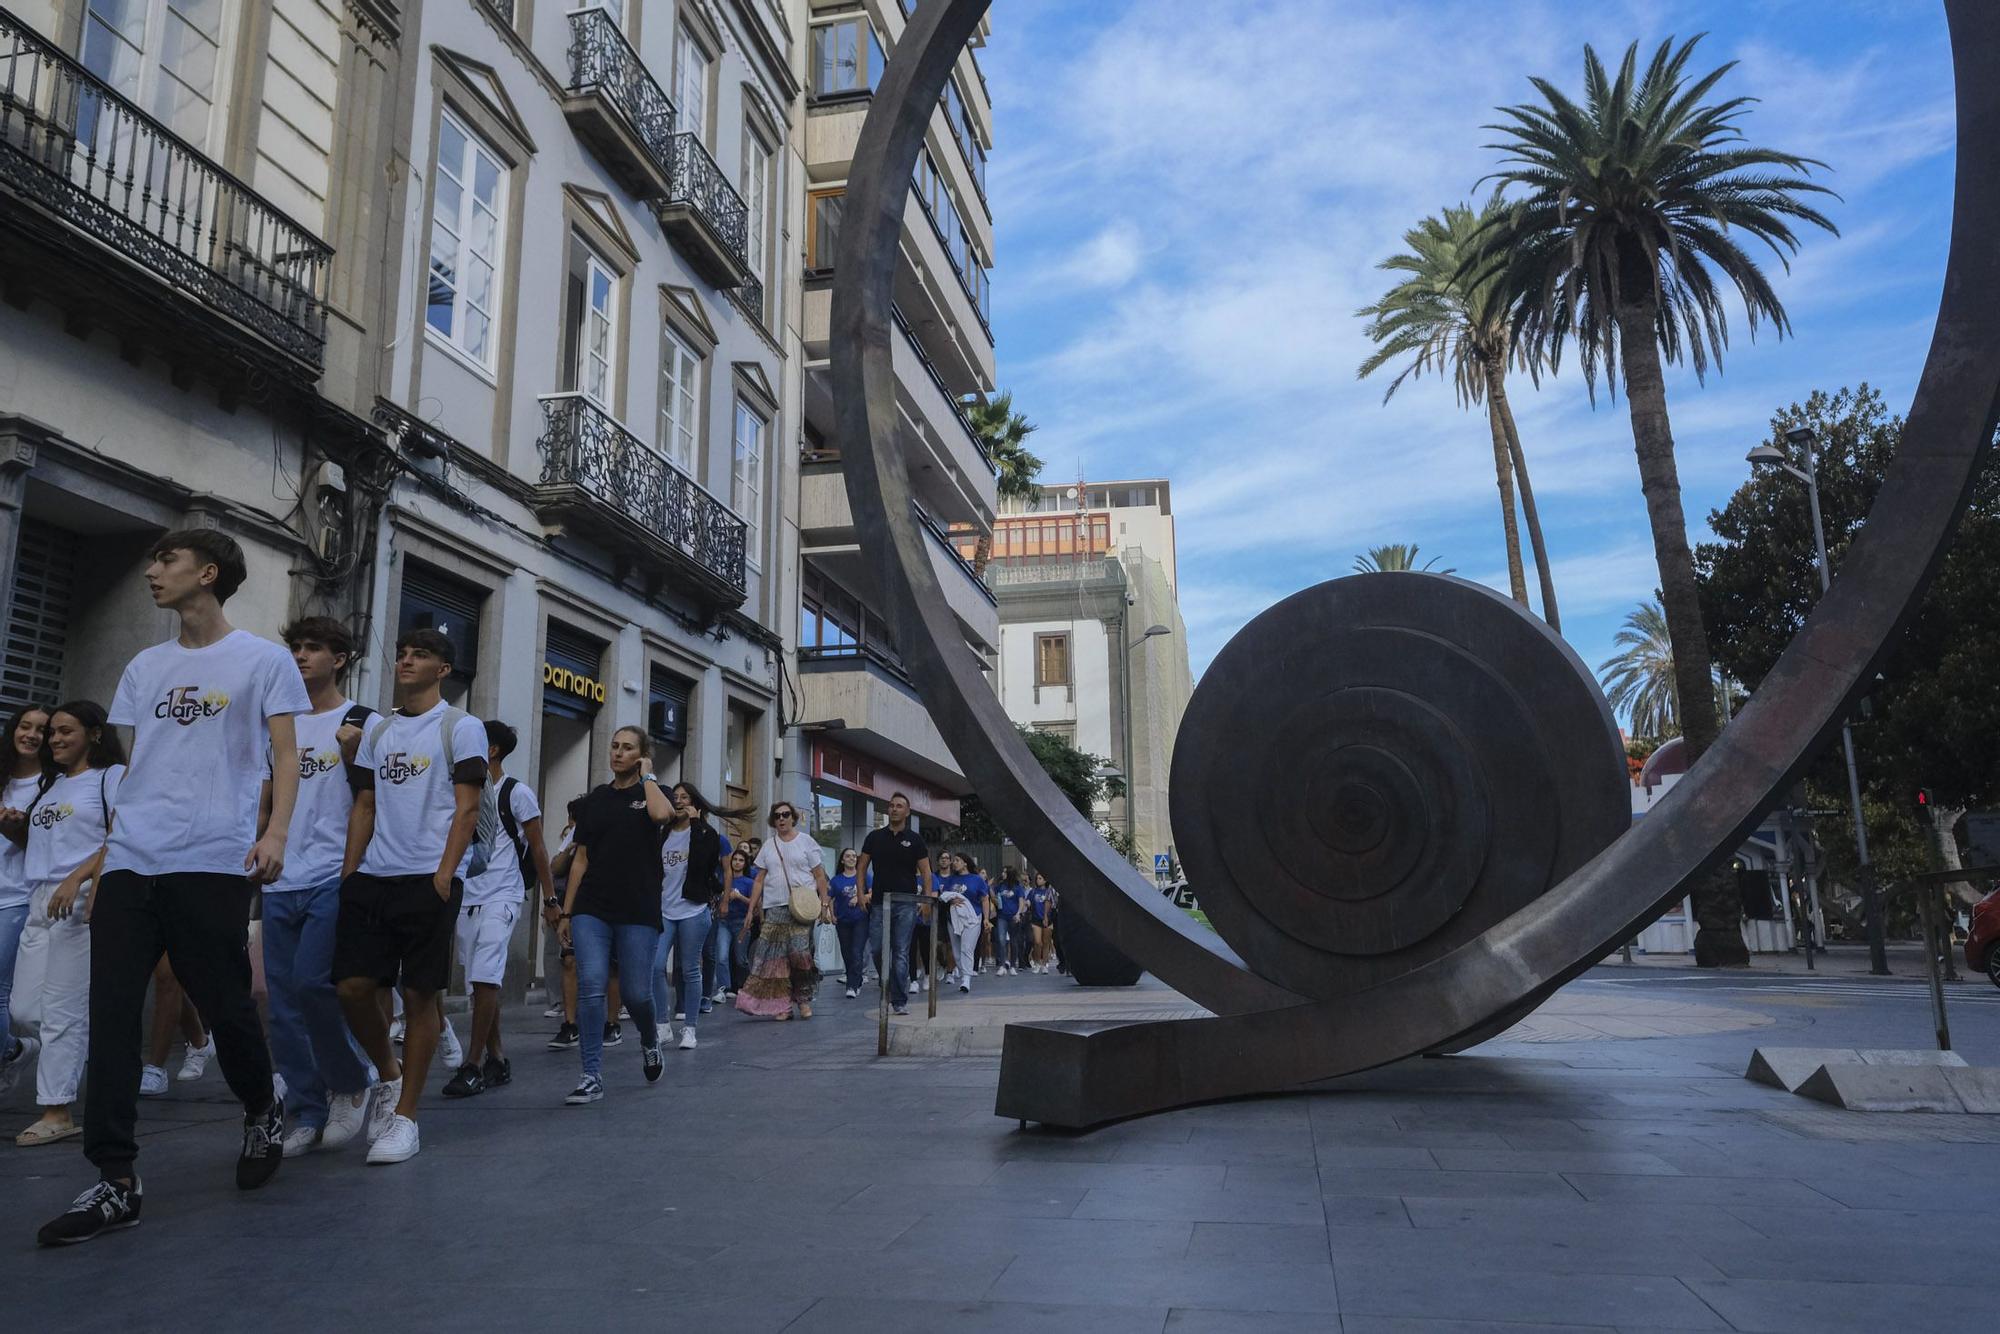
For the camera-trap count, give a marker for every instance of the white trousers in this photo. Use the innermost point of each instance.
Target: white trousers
(52, 996)
(965, 944)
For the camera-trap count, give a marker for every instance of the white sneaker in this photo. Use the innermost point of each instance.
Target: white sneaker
(383, 1110)
(10, 1069)
(625, 1014)
(346, 1114)
(679, 1015)
(917, 986)
(453, 1055)
(687, 1038)
(719, 997)
(196, 1064)
(301, 1140)
(152, 1081)
(554, 1011)
(396, 1031)
(852, 993)
(397, 1144)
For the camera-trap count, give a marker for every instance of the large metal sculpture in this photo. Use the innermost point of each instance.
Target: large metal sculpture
(1398, 796)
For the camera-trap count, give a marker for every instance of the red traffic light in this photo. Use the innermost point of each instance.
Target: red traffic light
(1924, 799)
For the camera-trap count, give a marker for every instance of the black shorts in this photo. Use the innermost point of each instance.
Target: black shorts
(395, 928)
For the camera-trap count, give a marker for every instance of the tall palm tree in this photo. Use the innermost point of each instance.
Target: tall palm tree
(1624, 228)
(1450, 315)
(1638, 680)
(1394, 558)
(1005, 433)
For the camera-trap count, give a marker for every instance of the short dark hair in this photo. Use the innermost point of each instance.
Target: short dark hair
(501, 737)
(213, 547)
(322, 630)
(900, 796)
(426, 640)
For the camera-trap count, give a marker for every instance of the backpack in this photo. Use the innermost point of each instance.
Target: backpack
(505, 802)
(488, 827)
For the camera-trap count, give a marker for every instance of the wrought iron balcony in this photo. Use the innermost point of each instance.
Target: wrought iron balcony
(614, 105)
(706, 216)
(86, 176)
(606, 484)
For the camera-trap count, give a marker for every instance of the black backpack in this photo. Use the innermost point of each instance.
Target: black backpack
(513, 828)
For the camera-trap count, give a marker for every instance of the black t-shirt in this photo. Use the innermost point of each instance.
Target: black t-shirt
(621, 880)
(893, 858)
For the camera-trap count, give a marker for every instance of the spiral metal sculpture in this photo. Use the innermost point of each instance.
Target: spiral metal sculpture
(1400, 797)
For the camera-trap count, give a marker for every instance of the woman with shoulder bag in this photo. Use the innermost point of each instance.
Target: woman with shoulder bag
(789, 895)
(692, 883)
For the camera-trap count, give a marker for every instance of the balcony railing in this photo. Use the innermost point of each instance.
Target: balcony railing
(701, 190)
(943, 539)
(957, 407)
(602, 63)
(74, 147)
(584, 450)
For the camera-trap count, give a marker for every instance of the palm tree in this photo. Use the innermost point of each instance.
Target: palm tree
(1005, 433)
(1638, 680)
(1394, 558)
(1624, 228)
(1451, 316)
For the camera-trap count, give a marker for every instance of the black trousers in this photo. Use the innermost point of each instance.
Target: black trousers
(201, 922)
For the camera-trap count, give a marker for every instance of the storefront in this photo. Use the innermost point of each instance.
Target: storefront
(668, 695)
(850, 796)
(434, 600)
(573, 697)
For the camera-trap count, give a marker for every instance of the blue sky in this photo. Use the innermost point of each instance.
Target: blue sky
(1191, 199)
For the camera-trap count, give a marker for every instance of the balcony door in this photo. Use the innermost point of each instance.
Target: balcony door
(166, 56)
(692, 64)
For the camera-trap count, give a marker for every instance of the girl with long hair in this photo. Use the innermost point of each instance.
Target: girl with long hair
(850, 919)
(1007, 900)
(67, 823)
(968, 918)
(690, 887)
(1041, 921)
(782, 973)
(735, 916)
(28, 772)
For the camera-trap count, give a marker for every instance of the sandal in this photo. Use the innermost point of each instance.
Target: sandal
(43, 1133)
(805, 1012)
(781, 1018)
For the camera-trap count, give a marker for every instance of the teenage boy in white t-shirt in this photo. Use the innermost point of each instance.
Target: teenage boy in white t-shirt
(326, 1075)
(409, 844)
(492, 906)
(184, 857)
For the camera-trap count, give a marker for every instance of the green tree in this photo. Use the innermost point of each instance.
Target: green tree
(1624, 239)
(1078, 773)
(1452, 317)
(1005, 433)
(1639, 679)
(1394, 558)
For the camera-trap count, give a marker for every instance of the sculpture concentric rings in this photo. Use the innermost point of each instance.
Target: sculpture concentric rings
(1279, 1023)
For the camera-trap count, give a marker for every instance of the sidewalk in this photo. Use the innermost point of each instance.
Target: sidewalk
(1845, 959)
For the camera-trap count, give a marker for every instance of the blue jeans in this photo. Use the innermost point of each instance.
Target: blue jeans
(1003, 944)
(716, 972)
(854, 949)
(895, 969)
(687, 940)
(310, 1044)
(595, 939)
(12, 920)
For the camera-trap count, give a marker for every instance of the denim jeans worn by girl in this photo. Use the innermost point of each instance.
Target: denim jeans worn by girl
(687, 941)
(595, 939)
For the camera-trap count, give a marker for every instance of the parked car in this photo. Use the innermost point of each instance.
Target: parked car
(1982, 941)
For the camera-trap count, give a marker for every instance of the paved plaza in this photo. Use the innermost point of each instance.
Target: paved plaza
(782, 1178)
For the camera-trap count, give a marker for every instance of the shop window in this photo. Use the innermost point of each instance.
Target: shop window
(434, 600)
(666, 709)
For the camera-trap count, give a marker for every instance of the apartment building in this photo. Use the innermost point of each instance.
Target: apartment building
(515, 364)
(1092, 643)
(863, 732)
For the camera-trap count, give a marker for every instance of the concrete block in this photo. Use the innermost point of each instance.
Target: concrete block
(1977, 1087)
(1882, 1088)
(1787, 1067)
(1910, 1056)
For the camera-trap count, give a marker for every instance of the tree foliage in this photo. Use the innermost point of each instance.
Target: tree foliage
(1005, 433)
(1075, 771)
(1394, 558)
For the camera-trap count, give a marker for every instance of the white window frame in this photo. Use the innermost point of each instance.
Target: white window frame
(465, 174)
(143, 85)
(756, 186)
(595, 317)
(692, 104)
(680, 403)
(746, 476)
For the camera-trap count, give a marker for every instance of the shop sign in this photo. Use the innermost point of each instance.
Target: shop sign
(571, 682)
(859, 773)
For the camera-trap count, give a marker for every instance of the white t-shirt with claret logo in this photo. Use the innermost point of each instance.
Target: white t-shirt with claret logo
(318, 840)
(413, 791)
(66, 827)
(200, 748)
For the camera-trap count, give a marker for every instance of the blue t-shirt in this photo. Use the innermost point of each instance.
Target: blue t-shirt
(845, 891)
(1010, 901)
(976, 889)
(1038, 903)
(739, 909)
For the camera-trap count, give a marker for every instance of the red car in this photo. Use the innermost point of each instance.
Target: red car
(1982, 942)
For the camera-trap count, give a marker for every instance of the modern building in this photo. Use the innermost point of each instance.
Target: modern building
(1092, 644)
(468, 315)
(863, 732)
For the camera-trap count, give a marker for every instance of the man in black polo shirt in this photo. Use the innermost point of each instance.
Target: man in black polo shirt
(902, 866)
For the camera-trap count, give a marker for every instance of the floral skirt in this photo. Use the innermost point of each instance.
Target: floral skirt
(781, 966)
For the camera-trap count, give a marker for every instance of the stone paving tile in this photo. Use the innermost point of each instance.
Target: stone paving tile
(945, 1232)
(1446, 1185)
(1491, 1250)
(1115, 1175)
(1240, 1285)
(1373, 1324)
(1274, 1242)
(1257, 1180)
(1339, 1155)
(1692, 1190)
(862, 1315)
(1944, 1193)
(1633, 1163)
(1880, 1253)
(1779, 1306)
(985, 1202)
(1365, 1211)
(1422, 1292)
(1580, 1219)
(1196, 1320)
(1215, 1206)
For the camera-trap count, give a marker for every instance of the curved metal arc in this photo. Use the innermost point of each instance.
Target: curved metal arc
(1121, 904)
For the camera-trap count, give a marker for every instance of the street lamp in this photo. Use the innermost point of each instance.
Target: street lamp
(1806, 442)
(1153, 631)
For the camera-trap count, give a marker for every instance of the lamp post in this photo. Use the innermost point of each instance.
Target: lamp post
(1125, 697)
(1806, 442)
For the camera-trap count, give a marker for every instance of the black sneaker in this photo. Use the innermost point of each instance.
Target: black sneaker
(589, 1091)
(613, 1035)
(105, 1207)
(263, 1147)
(654, 1063)
(498, 1070)
(466, 1082)
(565, 1039)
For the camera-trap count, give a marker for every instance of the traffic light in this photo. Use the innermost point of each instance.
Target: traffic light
(1926, 802)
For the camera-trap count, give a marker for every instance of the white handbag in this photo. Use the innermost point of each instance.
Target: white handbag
(826, 949)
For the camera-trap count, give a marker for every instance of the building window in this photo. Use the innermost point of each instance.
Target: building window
(823, 208)
(1067, 731)
(692, 64)
(36, 642)
(680, 402)
(434, 600)
(847, 58)
(615, 8)
(1052, 660)
(165, 55)
(738, 752)
(746, 482)
(465, 241)
(590, 326)
(756, 196)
